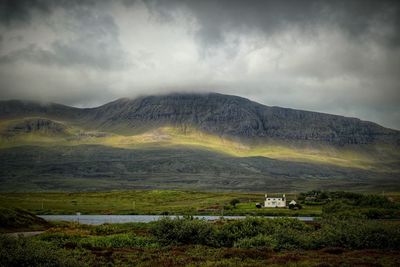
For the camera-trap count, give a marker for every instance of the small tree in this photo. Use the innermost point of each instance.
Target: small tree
(234, 202)
(295, 206)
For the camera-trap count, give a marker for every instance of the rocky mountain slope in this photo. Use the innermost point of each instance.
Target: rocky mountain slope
(239, 117)
(194, 141)
(34, 125)
(223, 115)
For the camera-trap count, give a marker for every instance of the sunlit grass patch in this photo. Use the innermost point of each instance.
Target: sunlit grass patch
(169, 137)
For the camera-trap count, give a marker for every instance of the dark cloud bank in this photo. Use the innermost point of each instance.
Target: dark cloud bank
(339, 57)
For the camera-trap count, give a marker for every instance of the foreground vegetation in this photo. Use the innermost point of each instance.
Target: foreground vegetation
(352, 230)
(192, 242)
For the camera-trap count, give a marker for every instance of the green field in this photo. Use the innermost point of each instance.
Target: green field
(173, 202)
(148, 202)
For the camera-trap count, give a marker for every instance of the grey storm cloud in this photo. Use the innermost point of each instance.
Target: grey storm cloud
(355, 17)
(340, 57)
(94, 40)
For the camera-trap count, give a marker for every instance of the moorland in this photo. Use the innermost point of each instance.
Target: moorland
(352, 230)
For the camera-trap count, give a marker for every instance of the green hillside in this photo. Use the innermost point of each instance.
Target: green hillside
(202, 142)
(56, 133)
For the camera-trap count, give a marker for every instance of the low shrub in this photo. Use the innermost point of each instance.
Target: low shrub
(124, 240)
(259, 241)
(232, 233)
(26, 252)
(118, 241)
(116, 228)
(355, 234)
(59, 239)
(289, 239)
(184, 231)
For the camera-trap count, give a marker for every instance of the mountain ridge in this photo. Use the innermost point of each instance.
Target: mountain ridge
(223, 115)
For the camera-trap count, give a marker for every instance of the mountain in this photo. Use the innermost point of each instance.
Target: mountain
(17, 108)
(200, 141)
(223, 115)
(239, 117)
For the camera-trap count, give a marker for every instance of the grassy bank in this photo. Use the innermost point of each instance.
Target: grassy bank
(14, 219)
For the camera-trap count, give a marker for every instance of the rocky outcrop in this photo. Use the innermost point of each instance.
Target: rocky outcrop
(35, 125)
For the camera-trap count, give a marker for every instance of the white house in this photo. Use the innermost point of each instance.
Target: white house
(274, 202)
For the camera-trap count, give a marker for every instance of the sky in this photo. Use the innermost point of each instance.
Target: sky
(339, 57)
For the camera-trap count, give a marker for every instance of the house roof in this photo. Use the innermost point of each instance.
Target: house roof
(274, 195)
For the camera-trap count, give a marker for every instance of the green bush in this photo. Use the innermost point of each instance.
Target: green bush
(118, 241)
(240, 229)
(184, 231)
(59, 239)
(259, 241)
(26, 252)
(291, 223)
(109, 241)
(284, 233)
(289, 239)
(188, 231)
(280, 234)
(234, 201)
(356, 234)
(348, 198)
(116, 228)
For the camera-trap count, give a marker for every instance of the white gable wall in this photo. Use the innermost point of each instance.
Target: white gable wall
(273, 202)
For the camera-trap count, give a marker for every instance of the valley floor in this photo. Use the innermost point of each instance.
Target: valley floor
(353, 230)
(158, 202)
(173, 202)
